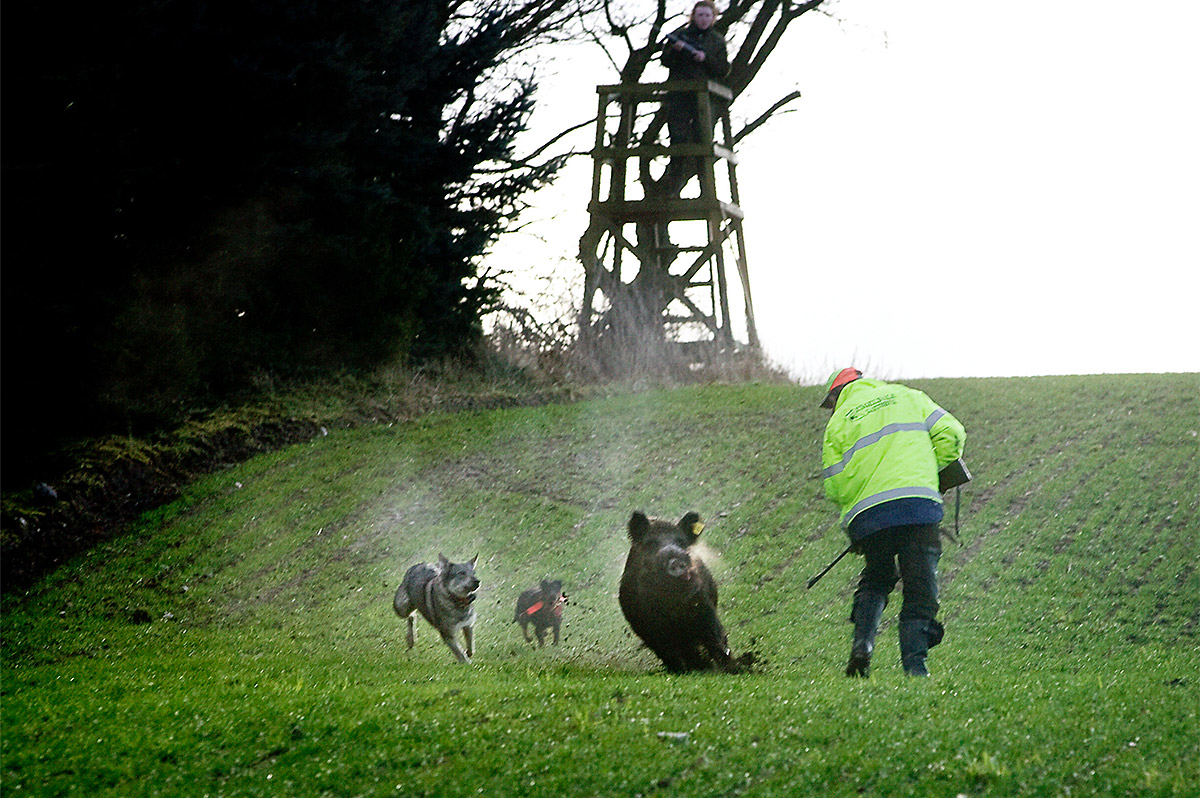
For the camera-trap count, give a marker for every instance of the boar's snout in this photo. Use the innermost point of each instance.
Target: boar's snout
(676, 561)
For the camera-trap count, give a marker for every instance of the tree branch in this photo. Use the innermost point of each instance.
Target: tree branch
(765, 116)
(548, 144)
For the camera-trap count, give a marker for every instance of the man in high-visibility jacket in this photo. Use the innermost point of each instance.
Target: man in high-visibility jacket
(884, 446)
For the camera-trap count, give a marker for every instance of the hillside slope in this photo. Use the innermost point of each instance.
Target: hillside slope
(241, 640)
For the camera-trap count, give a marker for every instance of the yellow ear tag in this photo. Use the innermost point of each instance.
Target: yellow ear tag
(696, 527)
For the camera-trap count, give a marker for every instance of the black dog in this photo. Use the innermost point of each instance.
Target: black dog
(542, 606)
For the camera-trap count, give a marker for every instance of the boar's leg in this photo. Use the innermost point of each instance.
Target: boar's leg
(672, 657)
(715, 642)
(697, 659)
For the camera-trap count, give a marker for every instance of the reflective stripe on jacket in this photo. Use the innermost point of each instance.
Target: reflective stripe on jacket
(884, 442)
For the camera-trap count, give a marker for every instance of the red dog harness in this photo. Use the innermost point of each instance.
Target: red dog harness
(537, 605)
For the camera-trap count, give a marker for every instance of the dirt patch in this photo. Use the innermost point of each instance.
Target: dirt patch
(93, 503)
(110, 487)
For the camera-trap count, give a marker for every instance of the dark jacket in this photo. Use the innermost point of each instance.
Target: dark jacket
(684, 66)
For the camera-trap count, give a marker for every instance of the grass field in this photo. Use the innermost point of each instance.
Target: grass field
(241, 641)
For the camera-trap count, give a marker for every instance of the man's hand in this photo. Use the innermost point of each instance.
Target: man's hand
(699, 56)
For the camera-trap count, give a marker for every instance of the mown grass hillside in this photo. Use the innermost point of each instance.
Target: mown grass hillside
(241, 640)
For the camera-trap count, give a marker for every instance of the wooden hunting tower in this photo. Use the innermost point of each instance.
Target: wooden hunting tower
(654, 255)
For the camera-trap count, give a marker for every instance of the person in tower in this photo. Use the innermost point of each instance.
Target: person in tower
(695, 51)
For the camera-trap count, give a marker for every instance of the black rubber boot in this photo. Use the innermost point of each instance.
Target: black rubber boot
(916, 638)
(868, 609)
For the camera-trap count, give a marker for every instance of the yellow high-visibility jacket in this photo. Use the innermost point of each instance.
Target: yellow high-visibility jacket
(886, 441)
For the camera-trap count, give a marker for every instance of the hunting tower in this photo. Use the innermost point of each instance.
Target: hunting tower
(655, 252)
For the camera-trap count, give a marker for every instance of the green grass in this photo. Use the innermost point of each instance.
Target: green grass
(241, 641)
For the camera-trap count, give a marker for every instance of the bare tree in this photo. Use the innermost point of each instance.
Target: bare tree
(632, 36)
(755, 27)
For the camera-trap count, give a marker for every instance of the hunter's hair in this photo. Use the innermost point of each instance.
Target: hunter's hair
(709, 3)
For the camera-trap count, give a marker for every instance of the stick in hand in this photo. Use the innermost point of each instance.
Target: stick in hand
(829, 567)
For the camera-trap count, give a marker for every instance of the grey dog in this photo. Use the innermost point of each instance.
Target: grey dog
(443, 593)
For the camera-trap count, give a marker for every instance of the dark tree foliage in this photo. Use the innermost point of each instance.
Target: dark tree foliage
(197, 193)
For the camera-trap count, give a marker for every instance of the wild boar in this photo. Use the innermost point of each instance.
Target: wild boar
(669, 597)
(541, 606)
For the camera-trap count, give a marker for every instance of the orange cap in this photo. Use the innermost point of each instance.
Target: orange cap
(836, 380)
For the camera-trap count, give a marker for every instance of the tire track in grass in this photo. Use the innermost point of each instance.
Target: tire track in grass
(1018, 505)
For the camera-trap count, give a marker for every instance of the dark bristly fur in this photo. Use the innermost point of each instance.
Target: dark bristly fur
(444, 593)
(669, 597)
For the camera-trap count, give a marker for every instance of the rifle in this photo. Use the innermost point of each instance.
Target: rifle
(688, 46)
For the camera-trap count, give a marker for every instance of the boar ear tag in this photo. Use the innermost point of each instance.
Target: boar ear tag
(696, 527)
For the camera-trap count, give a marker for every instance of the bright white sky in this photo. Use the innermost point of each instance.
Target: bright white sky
(965, 189)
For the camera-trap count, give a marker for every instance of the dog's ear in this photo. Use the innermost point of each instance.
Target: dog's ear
(639, 525)
(443, 563)
(473, 559)
(691, 526)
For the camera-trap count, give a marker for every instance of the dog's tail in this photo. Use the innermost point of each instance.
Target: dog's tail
(405, 601)
(402, 603)
(408, 597)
